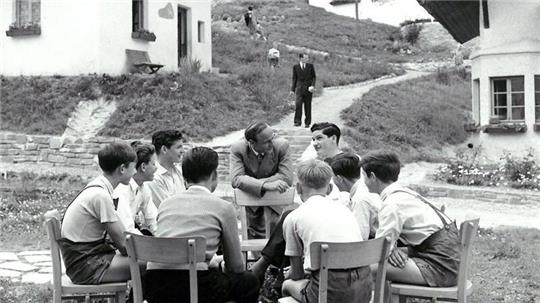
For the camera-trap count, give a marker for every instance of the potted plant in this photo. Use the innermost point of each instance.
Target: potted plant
(26, 29)
(505, 128)
(143, 34)
(471, 127)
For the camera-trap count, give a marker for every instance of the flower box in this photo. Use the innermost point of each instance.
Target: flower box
(31, 31)
(143, 35)
(505, 128)
(471, 127)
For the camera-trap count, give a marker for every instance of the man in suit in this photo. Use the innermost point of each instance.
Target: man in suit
(303, 85)
(260, 163)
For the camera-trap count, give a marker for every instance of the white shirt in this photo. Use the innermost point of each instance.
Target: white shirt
(318, 219)
(365, 206)
(135, 204)
(273, 53)
(166, 183)
(406, 217)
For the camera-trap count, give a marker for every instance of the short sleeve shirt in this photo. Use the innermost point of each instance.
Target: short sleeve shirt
(84, 218)
(134, 200)
(318, 219)
(166, 183)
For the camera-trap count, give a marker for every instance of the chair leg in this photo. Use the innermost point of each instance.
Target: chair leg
(395, 298)
(57, 297)
(87, 299)
(121, 297)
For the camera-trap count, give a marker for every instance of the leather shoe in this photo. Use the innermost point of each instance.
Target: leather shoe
(307, 125)
(296, 124)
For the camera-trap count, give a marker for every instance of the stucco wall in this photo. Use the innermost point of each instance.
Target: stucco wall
(510, 47)
(81, 37)
(68, 43)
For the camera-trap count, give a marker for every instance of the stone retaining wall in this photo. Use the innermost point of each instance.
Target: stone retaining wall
(510, 196)
(70, 152)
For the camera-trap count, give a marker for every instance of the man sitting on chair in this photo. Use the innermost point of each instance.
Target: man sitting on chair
(258, 164)
(320, 219)
(196, 212)
(91, 216)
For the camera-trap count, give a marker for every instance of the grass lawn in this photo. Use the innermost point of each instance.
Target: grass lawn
(415, 118)
(504, 265)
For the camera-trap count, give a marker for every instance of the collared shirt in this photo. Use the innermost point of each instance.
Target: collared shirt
(197, 212)
(135, 204)
(406, 217)
(166, 183)
(318, 219)
(365, 206)
(84, 218)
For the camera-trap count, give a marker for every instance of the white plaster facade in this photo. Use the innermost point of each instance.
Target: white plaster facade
(389, 12)
(509, 47)
(81, 37)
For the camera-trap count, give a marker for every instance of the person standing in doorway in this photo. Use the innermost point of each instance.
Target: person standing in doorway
(303, 85)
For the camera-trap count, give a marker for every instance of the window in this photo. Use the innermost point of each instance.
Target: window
(508, 98)
(137, 15)
(201, 31)
(476, 100)
(27, 12)
(537, 98)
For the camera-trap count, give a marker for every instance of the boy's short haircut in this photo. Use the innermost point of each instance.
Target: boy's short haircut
(199, 163)
(328, 129)
(314, 174)
(346, 165)
(144, 152)
(115, 154)
(254, 129)
(384, 164)
(166, 138)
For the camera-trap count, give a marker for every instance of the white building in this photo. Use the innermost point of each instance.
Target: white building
(505, 70)
(71, 37)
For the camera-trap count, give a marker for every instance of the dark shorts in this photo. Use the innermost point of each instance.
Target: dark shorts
(344, 286)
(438, 257)
(86, 262)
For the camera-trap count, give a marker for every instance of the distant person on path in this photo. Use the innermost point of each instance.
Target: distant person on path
(303, 85)
(135, 205)
(168, 179)
(432, 239)
(260, 163)
(273, 55)
(197, 212)
(251, 22)
(91, 217)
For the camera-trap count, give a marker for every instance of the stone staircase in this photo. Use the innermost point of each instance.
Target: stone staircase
(298, 138)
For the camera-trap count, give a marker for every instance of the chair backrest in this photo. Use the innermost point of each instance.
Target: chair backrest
(271, 198)
(326, 255)
(179, 251)
(52, 224)
(137, 56)
(467, 233)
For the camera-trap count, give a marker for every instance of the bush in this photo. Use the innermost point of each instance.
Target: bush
(412, 32)
(443, 76)
(516, 172)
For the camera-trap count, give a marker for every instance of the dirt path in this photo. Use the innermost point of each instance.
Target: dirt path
(329, 105)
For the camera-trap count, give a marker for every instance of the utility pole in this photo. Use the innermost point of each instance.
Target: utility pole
(356, 8)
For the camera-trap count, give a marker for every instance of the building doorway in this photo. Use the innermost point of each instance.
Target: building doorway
(182, 34)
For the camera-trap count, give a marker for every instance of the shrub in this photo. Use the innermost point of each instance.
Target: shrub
(443, 76)
(412, 32)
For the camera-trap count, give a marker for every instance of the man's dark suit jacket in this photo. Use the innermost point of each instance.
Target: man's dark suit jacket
(302, 79)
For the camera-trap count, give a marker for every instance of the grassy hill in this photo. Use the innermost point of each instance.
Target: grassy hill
(415, 118)
(204, 105)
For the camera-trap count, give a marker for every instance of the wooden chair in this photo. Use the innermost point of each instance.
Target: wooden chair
(327, 256)
(457, 293)
(141, 61)
(63, 288)
(178, 251)
(272, 198)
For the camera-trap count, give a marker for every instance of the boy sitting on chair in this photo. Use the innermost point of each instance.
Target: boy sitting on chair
(321, 219)
(91, 216)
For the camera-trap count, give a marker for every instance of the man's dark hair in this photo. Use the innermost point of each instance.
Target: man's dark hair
(250, 8)
(115, 154)
(346, 165)
(301, 55)
(198, 164)
(254, 129)
(165, 138)
(384, 164)
(329, 129)
(144, 152)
